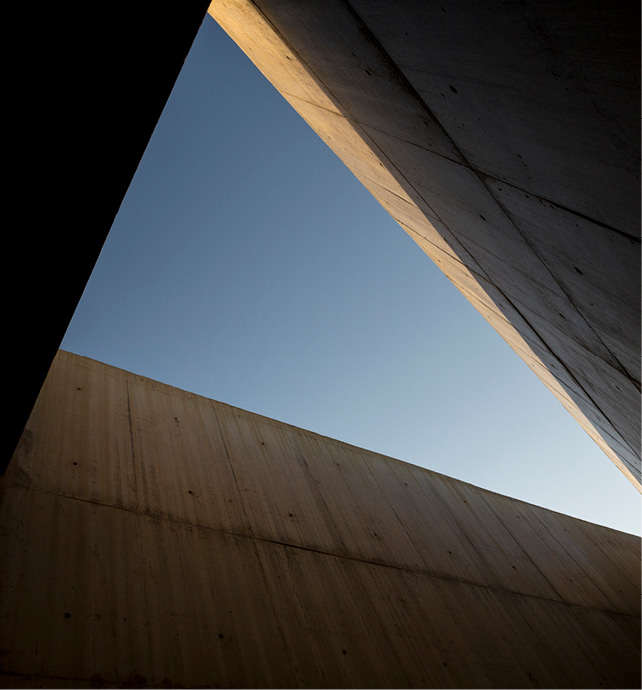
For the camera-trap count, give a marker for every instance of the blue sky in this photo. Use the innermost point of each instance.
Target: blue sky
(248, 265)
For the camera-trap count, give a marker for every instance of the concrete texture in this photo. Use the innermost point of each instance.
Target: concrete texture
(155, 538)
(504, 138)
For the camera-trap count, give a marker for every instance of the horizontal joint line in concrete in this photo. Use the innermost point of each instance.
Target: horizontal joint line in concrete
(356, 559)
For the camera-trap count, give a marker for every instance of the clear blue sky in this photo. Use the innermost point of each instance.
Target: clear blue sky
(248, 265)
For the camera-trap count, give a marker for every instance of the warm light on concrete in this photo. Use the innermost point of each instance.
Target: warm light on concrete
(155, 538)
(504, 138)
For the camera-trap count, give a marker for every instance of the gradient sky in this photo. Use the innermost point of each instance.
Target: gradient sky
(248, 265)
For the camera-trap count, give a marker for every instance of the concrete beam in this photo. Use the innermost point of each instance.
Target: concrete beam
(504, 139)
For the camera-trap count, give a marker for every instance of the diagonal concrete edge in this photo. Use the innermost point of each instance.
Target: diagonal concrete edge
(438, 221)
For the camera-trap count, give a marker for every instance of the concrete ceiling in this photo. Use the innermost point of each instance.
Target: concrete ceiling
(504, 139)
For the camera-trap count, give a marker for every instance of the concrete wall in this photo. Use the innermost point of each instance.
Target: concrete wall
(504, 138)
(155, 538)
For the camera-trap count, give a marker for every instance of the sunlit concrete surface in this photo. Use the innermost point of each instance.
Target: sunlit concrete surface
(504, 138)
(151, 537)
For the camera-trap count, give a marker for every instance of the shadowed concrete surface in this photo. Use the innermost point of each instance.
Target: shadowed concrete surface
(155, 538)
(504, 138)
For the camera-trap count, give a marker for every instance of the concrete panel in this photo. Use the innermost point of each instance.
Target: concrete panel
(504, 136)
(542, 96)
(156, 538)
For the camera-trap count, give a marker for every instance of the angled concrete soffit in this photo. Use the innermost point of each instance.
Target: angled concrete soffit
(503, 138)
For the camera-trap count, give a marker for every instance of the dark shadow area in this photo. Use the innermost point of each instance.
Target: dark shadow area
(89, 84)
